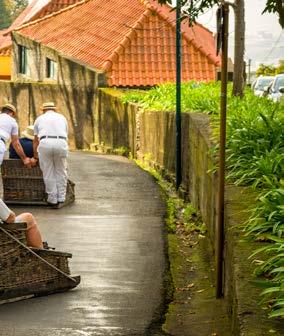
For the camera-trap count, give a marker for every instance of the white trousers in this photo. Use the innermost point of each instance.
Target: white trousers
(52, 154)
(2, 151)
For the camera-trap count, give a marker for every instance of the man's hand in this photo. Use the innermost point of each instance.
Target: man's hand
(34, 162)
(11, 218)
(27, 162)
(19, 150)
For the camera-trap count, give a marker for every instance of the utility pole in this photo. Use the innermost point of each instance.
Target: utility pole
(178, 94)
(249, 65)
(223, 16)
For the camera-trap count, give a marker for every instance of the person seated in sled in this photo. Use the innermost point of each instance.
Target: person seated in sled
(33, 235)
(26, 140)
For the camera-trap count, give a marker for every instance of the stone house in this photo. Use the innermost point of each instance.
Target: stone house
(230, 71)
(66, 55)
(5, 63)
(125, 43)
(35, 10)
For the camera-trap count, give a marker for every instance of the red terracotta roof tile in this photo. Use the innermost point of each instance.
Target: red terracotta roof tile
(133, 42)
(5, 51)
(35, 10)
(5, 40)
(53, 6)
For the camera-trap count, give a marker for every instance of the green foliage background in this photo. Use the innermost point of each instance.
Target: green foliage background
(270, 70)
(9, 10)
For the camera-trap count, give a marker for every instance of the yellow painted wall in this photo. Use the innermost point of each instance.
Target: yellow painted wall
(5, 67)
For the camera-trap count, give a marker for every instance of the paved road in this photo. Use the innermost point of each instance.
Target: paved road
(114, 230)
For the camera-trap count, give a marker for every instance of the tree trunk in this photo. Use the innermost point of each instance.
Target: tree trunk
(280, 10)
(238, 84)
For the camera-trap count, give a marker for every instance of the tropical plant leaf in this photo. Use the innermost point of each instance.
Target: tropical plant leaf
(277, 313)
(270, 290)
(278, 269)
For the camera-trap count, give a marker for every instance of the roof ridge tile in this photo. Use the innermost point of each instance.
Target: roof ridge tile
(200, 47)
(125, 43)
(5, 51)
(108, 63)
(65, 9)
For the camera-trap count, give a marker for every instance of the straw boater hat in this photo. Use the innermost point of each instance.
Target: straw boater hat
(28, 133)
(10, 107)
(48, 106)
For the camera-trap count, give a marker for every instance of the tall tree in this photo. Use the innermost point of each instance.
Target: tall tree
(9, 10)
(270, 69)
(276, 6)
(5, 17)
(17, 6)
(193, 8)
(265, 70)
(280, 68)
(239, 52)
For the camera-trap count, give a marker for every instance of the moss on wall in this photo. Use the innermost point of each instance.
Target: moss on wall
(112, 92)
(157, 137)
(115, 122)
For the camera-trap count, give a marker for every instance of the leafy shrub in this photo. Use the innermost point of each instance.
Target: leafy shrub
(172, 213)
(272, 272)
(268, 215)
(192, 220)
(195, 97)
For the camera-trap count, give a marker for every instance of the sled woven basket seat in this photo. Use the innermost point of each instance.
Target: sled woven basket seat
(23, 274)
(26, 186)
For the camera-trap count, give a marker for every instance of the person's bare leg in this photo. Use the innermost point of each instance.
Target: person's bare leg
(33, 235)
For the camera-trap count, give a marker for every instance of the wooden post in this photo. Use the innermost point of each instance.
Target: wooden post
(222, 156)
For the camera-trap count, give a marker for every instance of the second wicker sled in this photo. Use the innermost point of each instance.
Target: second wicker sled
(25, 186)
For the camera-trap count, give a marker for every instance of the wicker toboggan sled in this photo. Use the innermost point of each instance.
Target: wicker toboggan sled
(27, 272)
(26, 186)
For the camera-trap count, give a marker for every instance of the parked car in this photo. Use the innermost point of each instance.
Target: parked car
(260, 84)
(276, 89)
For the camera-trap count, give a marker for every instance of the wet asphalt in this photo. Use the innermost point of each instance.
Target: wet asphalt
(115, 232)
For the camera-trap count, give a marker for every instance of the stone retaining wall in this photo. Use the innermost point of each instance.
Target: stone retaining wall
(74, 102)
(94, 116)
(115, 122)
(157, 145)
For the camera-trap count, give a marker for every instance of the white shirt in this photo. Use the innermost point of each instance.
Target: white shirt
(8, 126)
(51, 123)
(4, 211)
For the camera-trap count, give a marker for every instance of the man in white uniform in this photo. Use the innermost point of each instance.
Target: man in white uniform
(50, 142)
(32, 234)
(9, 129)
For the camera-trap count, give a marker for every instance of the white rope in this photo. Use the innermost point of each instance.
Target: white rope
(35, 254)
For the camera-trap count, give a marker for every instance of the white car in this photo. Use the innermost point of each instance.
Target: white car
(260, 84)
(276, 88)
